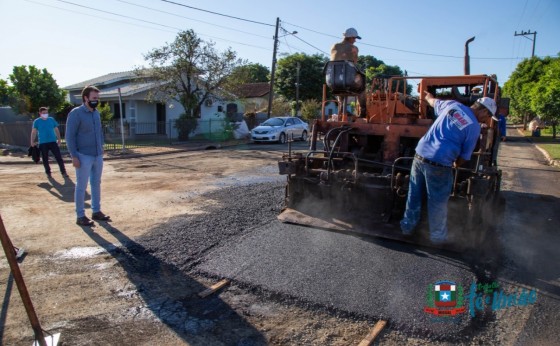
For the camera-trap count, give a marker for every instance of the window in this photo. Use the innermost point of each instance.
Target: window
(117, 110)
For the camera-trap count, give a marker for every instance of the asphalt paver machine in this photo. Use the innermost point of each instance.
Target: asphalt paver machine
(354, 177)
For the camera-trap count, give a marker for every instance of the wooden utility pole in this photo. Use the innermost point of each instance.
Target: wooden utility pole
(273, 68)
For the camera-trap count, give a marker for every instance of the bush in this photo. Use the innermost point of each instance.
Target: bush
(185, 125)
(310, 109)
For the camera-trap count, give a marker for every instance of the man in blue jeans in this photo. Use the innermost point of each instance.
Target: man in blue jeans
(84, 138)
(46, 128)
(448, 143)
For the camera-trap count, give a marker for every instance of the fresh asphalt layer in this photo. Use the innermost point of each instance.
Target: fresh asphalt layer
(378, 278)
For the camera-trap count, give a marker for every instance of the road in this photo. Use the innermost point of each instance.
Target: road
(182, 221)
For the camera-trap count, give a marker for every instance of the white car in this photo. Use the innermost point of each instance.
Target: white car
(280, 129)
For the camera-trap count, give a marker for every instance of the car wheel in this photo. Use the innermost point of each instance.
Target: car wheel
(282, 138)
(304, 136)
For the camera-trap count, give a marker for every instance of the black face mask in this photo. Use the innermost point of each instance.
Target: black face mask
(93, 104)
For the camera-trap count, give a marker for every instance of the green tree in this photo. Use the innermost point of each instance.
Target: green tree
(33, 88)
(386, 71)
(310, 109)
(4, 92)
(280, 106)
(545, 95)
(250, 73)
(105, 111)
(520, 84)
(311, 76)
(189, 71)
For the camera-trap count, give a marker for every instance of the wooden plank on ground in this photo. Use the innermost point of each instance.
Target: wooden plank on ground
(213, 288)
(368, 340)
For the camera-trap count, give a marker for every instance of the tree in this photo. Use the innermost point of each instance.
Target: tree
(520, 84)
(33, 88)
(280, 106)
(311, 76)
(310, 109)
(105, 111)
(250, 73)
(189, 71)
(378, 69)
(4, 92)
(545, 95)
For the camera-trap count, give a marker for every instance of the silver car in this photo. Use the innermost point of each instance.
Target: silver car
(280, 129)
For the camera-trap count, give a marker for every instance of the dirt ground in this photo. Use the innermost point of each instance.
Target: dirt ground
(103, 286)
(81, 286)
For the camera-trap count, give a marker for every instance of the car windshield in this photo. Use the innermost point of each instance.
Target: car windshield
(273, 122)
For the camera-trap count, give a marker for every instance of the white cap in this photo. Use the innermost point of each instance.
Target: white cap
(351, 32)
(489, 104)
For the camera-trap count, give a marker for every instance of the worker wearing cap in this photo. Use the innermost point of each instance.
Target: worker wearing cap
(346, 50)
(448, 143)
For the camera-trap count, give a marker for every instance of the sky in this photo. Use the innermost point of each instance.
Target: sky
(76, 40)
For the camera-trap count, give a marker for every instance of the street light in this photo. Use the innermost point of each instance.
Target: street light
(273, 69)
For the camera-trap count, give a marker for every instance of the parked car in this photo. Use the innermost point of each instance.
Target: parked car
(280, 129)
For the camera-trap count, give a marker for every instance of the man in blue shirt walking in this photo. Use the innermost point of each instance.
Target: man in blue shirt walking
(49, 140)
(448, 143)
(84, 138)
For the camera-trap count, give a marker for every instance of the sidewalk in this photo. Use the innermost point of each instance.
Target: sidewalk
(550, 160)
(12, 155)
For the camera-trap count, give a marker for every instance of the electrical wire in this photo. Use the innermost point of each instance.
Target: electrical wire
(94, 16)
(158, 24)
(195, 20)
(216, 13)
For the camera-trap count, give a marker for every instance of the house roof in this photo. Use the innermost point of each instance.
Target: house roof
(105, 79)
(250, 90)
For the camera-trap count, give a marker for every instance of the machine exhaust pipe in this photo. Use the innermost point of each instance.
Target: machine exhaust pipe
(467, 58)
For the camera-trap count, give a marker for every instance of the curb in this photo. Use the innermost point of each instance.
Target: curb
(550, 160)
(135, 156)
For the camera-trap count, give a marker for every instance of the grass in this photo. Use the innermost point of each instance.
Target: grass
(545, 141)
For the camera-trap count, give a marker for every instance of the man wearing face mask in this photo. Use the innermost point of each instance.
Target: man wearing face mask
(49, 140)
(84, 138)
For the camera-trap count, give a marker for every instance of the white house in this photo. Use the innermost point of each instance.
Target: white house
(147, 118)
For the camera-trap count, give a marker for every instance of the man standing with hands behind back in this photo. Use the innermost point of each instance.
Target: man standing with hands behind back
(84, 138)
(449, 142)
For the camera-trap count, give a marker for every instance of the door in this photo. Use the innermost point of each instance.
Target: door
(160, 118)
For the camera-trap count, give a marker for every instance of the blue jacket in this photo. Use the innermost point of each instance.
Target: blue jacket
(84, 133)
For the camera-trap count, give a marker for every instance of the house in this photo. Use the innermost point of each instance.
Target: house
(254, 96)
(148, 118)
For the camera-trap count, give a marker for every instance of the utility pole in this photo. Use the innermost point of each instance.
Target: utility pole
(297, 88)
(525, 34)
(273, 69)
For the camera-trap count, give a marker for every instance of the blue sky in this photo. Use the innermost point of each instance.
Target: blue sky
(76, 43)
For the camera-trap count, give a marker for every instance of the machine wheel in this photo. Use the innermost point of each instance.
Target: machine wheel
(282, 138)
(304, 136)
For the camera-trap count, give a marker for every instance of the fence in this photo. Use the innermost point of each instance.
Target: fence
(136, 134)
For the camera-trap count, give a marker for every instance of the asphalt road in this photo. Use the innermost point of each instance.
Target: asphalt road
(376, 278)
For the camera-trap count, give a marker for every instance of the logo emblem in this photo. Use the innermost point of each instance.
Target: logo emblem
(445, 298)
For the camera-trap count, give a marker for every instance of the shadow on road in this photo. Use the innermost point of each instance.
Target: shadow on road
(172, 296)
(64, 192)
(530, 237)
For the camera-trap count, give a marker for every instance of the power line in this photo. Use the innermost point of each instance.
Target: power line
(158, 24)
(94, 16)
(216, 13)
(402, 50)
(195, 20)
